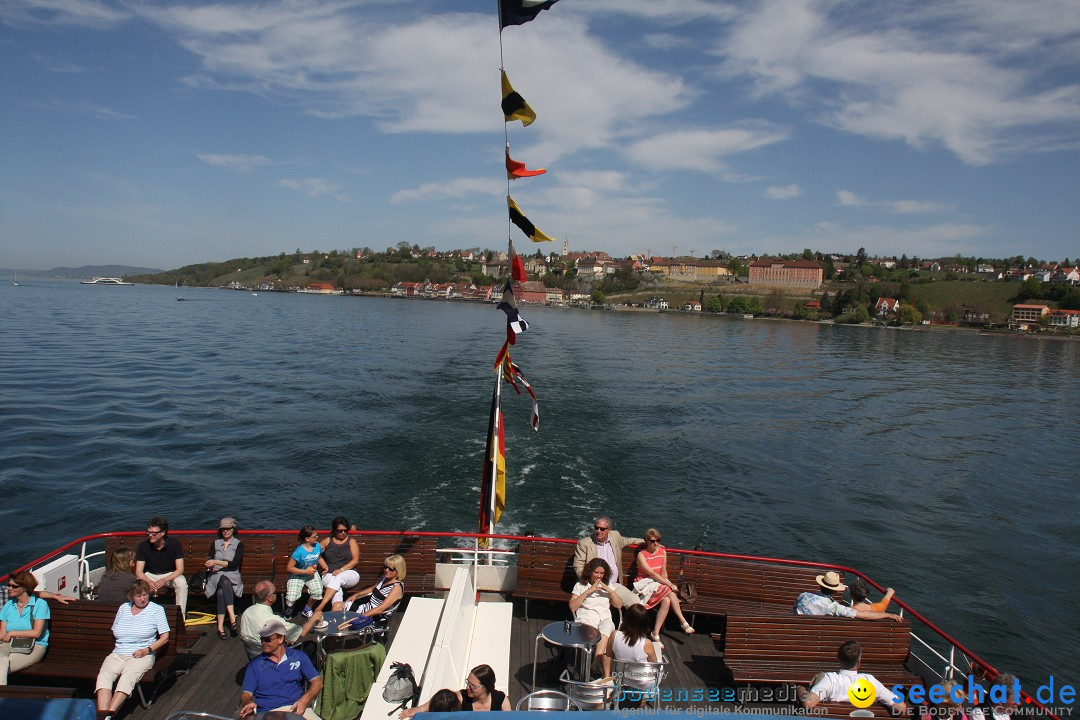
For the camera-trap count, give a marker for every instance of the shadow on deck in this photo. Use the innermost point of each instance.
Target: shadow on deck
(213, 682)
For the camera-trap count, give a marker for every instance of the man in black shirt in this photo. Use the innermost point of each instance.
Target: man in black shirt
(159, 560)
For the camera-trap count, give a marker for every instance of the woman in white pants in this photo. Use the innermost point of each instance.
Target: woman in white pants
(342, 555)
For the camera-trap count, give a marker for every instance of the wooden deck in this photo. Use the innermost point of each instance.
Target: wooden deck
(212, 684)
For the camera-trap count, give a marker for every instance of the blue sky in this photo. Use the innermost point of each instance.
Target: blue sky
(161, 133)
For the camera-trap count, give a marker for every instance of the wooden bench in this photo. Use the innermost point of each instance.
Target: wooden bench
(80, 638)
(34, 692)
(768, 649)
(545, 571)
(419, 554)
(728, 585)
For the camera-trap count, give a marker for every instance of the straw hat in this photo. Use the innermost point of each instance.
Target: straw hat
(831, 581)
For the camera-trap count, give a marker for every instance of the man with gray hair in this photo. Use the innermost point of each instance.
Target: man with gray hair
(606, 544)
(260, 612)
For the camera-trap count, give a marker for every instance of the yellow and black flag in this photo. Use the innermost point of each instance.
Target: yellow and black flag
(519, 12)
(531, 231)
(514, 106)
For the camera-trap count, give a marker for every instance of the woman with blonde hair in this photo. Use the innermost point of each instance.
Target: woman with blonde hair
(379, 601)
(24, 618)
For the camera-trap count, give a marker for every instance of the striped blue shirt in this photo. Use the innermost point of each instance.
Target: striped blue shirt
(138, 631)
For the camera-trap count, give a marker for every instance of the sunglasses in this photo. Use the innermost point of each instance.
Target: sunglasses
(154, 532)
(653, 540)
(341, 530)
(600, 527)
(387, 567)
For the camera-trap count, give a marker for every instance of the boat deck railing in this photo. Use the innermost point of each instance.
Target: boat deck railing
(934, 652)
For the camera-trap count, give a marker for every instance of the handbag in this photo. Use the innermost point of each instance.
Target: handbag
(688, 592)
(198, 582)
(22, 645)
(401, 687)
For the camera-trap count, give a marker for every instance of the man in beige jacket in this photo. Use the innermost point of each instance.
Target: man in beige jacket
(608, 545)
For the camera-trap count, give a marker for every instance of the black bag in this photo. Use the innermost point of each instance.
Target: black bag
(401, 688)
(198, 582)
(687, 592)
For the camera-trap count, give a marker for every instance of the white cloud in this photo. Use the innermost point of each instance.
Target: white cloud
(848, 198)
(935, 77)
(313, 187)
(238, 163)
(783, 192)
(457, 189)
(701, 150)
(898, 207)
(88, 13)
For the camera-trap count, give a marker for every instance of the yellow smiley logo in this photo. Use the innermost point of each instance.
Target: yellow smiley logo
(861, 693)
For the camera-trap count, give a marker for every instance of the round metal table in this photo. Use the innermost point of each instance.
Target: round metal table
(582, 638)
(334, 620)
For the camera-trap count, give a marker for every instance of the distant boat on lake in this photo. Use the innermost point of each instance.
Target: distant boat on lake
(105, 281)
(15, 282)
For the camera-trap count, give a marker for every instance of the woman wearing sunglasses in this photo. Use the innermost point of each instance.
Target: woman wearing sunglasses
(342, 555)
(379, 601)
(652, 580)
(25, 620)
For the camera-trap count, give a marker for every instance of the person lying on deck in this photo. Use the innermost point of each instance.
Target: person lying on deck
(823, 602)
(833, 686)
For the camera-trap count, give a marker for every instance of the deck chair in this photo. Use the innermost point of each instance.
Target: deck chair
(546, 701)
(637, 681)
(588, 695)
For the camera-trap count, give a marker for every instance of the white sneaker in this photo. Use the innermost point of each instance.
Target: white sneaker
(307, 611)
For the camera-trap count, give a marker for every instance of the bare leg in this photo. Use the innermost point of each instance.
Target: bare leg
(661, 614)
(118, 699)
(104, 697)
(605, 659)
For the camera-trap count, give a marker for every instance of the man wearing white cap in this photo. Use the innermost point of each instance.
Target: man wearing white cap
(823, 603)
(275, 679)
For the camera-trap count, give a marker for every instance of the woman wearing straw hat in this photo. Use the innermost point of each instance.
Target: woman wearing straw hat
(225, 557)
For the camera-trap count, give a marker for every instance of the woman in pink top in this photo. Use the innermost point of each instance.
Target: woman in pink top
(652, 572)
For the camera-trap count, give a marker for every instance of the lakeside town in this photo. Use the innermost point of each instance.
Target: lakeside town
(1013, 293)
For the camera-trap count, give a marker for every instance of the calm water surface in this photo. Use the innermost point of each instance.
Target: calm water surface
(943, 464)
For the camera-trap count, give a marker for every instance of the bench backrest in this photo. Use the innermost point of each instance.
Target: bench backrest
(545, 570)
(751, 580)
(810, 638)
(82, 630)
(266, 556)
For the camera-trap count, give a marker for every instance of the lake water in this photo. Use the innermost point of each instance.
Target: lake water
(943, 464)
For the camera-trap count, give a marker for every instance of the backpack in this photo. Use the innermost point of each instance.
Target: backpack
(401, 688)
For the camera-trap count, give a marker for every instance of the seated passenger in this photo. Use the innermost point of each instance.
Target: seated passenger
(833, 686)
(860, 597)
(224, 560)
(140, 629)
(119, 574)
(275, 679)
(822, 603)
(479, 694)
(591, 601)
(652, 575)
(444, 701)
(988, 709)
(379, 601)
(262, 610)
(24, 616)
(631, 641)
(159, 562)
(341, 555)
(952, 707)
(304, 565)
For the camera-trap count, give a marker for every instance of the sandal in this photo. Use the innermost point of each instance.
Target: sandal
(655, 637)
(686, 628)
(233, 629)
(221, 634)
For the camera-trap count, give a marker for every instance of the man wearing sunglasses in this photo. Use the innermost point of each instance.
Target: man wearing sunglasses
(606, 544)
(159, 561)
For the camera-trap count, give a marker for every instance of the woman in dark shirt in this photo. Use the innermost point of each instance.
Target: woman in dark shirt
(224, 559)
(116, 582)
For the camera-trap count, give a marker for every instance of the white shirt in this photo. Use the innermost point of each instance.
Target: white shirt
(607, 554)
(833, 687)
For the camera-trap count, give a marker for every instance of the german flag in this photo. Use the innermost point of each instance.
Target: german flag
(493, 483)
(514, 106)
(519, 219)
